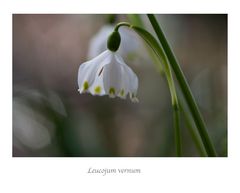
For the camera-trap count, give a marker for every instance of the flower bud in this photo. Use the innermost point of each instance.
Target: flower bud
(114, 41)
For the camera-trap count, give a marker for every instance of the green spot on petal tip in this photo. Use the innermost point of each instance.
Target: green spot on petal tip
(97, 90)
(122, 92)
(85, 86)
(111, 92)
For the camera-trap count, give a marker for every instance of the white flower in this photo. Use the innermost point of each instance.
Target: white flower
(107, 74)
(99, 42)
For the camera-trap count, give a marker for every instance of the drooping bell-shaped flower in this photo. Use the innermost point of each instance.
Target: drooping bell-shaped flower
(107, 74)
(98, 43)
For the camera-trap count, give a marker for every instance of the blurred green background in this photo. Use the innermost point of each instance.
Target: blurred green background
(51, 118)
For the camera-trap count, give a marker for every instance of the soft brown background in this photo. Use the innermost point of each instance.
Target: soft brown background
(50, 118)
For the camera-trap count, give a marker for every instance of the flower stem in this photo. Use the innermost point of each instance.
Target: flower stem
(177, 131)
(185, 88)
(136, 21)
(193, 131)
(122, 24)
(157, 49)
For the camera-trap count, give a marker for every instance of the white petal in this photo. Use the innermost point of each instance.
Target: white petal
(133, 86)
(125, 81)
(87, 71)
(112, 77)
(133, 81)
(97, 87)
(131, 77)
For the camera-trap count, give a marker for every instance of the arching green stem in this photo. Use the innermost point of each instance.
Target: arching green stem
(136, 20)
(122, 24)
(152, 42)
(184, 88)
(162, 68)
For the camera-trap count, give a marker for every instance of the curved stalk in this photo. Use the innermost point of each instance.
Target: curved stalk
(136, 20)
(193, 131)
(185, 88)
(122, 24)
(154, 45)
(177, 132)
(152, 42)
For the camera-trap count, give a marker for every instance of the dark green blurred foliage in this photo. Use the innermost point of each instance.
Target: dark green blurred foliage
(50, 117)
